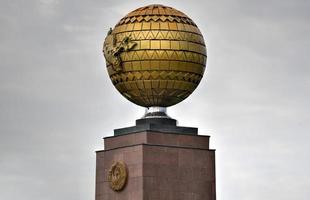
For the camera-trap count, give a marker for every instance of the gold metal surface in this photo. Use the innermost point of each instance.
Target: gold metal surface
(156, 56)
(118, 176)
(112, 50)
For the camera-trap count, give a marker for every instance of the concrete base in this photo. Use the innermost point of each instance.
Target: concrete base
(164, 125)
(161, 166)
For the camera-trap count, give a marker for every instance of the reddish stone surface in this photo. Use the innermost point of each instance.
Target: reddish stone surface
(161, 166)
(148, 137)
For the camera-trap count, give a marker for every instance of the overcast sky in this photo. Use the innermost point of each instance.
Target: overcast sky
(57, 102)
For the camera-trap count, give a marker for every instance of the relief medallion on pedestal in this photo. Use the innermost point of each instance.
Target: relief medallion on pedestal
(118, 176)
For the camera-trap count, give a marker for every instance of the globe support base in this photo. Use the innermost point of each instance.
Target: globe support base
(163, 125)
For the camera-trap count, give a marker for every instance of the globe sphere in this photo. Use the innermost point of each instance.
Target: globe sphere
(155, 56)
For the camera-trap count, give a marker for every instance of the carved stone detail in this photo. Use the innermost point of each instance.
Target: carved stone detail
(118, 176)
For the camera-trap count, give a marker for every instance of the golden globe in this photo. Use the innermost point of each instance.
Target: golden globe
(155, 56)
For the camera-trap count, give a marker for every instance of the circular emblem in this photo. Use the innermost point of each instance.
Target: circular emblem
(117, 176)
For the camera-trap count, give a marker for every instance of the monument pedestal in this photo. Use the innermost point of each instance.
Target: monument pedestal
(160, 166)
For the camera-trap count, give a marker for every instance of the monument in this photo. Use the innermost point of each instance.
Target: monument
(156, 57)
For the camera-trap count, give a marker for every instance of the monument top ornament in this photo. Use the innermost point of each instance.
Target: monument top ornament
(155, 56)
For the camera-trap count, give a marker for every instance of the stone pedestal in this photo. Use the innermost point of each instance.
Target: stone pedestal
(161, 166)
